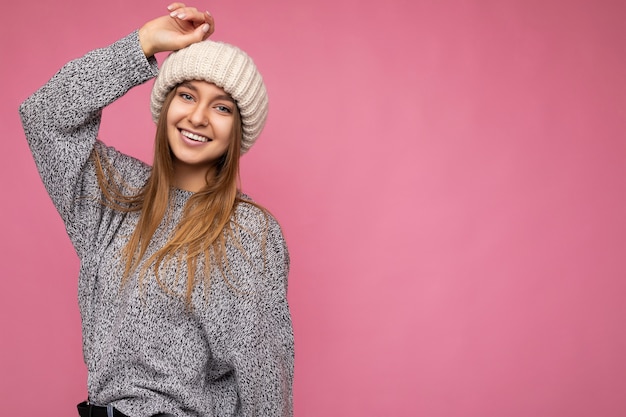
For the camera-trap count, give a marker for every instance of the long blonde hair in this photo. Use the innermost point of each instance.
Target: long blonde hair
(205, 225)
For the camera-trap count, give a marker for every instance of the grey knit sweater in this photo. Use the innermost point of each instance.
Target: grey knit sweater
(232, 354)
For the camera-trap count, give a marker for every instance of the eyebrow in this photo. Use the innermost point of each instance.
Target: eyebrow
(192, 87)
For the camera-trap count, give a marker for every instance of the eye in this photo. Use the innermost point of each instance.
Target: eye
(223, 109)
(186, 96)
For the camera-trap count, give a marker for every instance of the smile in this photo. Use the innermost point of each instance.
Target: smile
(195, 137)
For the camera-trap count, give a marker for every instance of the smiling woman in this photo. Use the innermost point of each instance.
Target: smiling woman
(200, 120)
(183, 279)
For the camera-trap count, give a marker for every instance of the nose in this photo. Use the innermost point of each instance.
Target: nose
(199, 116)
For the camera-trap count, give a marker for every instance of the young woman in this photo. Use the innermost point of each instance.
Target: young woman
(182, 286)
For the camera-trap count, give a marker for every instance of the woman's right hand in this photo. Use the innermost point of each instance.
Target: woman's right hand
(180, 28)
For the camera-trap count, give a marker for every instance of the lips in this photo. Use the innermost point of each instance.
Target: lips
(194, 136)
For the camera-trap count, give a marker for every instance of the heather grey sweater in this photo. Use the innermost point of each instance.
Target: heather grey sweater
(232, 354)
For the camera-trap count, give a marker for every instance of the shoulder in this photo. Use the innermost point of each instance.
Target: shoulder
(254, 217)
(261, 237)
(255, 222)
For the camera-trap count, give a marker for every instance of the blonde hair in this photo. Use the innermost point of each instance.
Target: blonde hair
(205, 226)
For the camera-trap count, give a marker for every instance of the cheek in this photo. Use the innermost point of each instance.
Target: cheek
(226, 128)
(171, 116)
(175, 112)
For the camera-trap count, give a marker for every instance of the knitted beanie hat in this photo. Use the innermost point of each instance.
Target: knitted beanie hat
(224, 65)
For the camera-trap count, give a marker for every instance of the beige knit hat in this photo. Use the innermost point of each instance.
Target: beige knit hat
(227, 67)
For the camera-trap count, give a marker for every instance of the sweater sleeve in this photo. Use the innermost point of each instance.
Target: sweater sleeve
(61, 122)
(264, 361)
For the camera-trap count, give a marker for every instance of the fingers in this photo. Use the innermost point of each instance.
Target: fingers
(200, 22)
(184, 25)
(189, 14)
(211, 22)
(175, 6)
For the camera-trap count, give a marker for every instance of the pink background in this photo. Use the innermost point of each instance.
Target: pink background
(450, 176)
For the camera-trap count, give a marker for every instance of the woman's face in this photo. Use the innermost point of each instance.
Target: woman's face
(199, 126)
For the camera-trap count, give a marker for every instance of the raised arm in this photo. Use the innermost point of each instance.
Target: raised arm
(61, 120)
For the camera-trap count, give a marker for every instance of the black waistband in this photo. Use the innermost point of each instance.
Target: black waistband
(89, 410)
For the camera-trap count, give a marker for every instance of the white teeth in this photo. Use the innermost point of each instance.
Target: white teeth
(195, 137)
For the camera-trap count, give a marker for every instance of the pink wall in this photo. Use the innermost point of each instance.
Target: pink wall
(450, 175)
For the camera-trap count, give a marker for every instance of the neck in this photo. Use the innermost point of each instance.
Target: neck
(190, 178)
